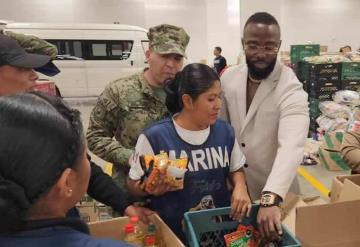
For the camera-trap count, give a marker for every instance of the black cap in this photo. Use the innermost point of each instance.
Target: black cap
(48, 69)
(11, 53)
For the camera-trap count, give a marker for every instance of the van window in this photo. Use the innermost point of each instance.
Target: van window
(95, 49)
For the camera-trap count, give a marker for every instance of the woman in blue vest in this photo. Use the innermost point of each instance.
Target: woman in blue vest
(44, 172)
(194, 99)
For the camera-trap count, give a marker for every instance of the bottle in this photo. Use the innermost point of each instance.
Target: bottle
(134, 220)
(151, 229)
(150, 241)
(151, 234)
(130, 235)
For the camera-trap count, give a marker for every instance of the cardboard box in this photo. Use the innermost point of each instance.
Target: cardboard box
(332, 141)
(114, 229)
(329, 152)
(291, 203)
(330, 225)
(318, 224)
(332, 160)
(338, 186)
(89, 212)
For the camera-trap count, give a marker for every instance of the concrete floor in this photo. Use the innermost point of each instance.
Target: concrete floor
(85, 105)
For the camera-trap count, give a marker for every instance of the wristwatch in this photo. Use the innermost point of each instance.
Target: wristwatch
(269, 199)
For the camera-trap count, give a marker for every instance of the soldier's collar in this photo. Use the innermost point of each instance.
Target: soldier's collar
(145, 86)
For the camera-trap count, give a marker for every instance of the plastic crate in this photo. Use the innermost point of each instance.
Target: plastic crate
(326, 70)
(353, 85)
(323, 90)
(298, 52)
(202, 225)
(350, 71)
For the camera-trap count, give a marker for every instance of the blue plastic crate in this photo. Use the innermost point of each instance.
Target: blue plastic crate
(206, 227)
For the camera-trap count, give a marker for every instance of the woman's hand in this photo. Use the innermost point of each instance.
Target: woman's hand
(160, 188)
(141, 212)
(240, 203)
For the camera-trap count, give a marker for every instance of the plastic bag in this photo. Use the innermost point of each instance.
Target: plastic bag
(330, 124)
(332, 109)
(347, 97)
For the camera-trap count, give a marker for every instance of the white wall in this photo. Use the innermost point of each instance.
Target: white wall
(209, 22)
(329, 22)
(334, 23)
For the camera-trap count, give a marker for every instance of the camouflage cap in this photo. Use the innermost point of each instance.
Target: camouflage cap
(166, 39)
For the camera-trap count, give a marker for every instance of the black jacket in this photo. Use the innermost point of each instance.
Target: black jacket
(103, 189)
(219, 64)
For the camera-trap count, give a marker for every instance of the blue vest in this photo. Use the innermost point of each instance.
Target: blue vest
(208, 167)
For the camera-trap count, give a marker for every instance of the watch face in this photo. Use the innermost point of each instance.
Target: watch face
(267, 199)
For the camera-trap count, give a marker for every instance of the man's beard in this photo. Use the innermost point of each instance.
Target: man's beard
(260, 73)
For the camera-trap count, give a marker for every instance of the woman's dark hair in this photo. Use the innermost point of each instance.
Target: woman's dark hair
(40, 137)
(194, 79)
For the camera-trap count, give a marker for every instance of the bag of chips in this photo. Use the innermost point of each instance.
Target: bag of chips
(157, 167)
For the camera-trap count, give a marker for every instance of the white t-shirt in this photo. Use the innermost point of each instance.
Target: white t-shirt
(196, 137)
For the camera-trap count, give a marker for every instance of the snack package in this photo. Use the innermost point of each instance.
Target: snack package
(157, 166)
(175, 173)
(244, 236)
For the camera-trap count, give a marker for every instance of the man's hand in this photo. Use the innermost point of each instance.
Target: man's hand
(141, 212)
(269, 223)
(240, 203)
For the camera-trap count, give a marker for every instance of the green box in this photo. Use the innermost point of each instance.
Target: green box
(299, 52)
(350, 71)
(201, 223)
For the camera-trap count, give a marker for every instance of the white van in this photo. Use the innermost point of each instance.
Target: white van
(90, 55)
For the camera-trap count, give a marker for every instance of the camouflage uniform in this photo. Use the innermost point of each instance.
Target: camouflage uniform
(128, 105)
(33, 44)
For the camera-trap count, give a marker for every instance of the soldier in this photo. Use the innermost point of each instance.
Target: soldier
(130, 104)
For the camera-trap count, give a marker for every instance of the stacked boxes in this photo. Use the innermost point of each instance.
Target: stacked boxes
(350, 76)
(321, 81)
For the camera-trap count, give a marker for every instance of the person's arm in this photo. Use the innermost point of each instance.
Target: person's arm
(292, 133)
(103, 122)
(103, 189)
(33, 44)
(240, 199)
(350, 149)
(134, 183)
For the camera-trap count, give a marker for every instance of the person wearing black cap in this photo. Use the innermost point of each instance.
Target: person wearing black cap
(17, 75)
(17, 67)
(44, 172)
